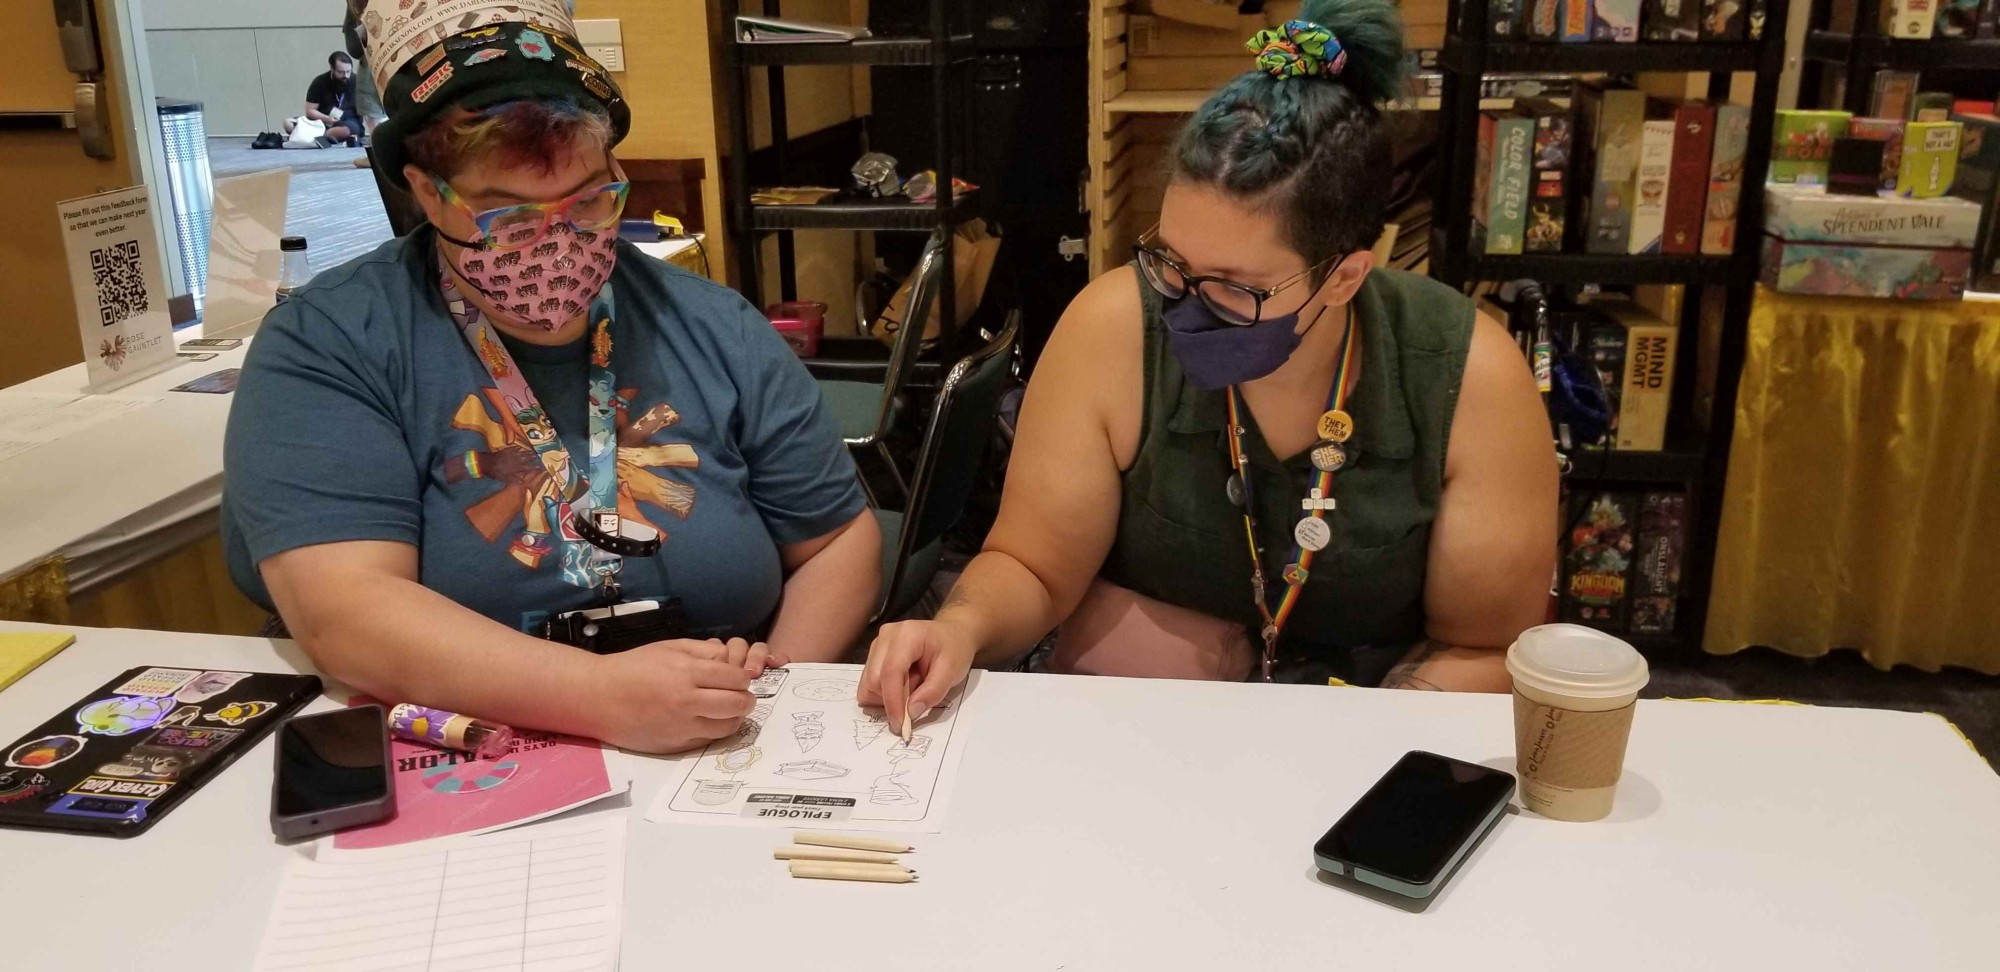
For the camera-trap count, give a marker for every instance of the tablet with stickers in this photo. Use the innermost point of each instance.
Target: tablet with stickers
(117, 760)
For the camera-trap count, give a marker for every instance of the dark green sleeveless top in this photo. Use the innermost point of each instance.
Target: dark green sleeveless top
(1180, 540)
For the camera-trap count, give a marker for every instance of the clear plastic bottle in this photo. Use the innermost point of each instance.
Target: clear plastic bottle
(294, 271)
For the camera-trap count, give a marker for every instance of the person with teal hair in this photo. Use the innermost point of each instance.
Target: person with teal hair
(1252, 453)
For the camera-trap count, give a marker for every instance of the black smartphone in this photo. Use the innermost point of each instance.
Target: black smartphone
(1416, 823)
(333, 773)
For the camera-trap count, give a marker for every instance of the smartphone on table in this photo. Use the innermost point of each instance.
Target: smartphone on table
(333, 773)
(1408, 832)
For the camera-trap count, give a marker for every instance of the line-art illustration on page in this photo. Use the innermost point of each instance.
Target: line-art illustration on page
(791, 765)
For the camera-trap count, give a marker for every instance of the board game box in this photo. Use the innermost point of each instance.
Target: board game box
(1597, 559)
(1802, 145)
(1656, 569)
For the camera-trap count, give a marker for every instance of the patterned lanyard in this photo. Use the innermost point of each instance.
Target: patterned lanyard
(566, 493)
(1312, 533)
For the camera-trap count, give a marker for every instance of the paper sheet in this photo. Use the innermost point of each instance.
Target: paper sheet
(22, 651)
(442, 793)
(548, 898)
(29, 419)
(810, 756)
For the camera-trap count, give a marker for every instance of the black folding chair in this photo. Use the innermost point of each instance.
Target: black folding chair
(954, 445)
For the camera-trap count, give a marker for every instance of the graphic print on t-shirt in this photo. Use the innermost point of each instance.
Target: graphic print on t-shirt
(523, 452)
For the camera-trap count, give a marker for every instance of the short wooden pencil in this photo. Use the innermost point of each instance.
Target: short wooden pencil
(853, 843)
(831, 871)
(801, 852)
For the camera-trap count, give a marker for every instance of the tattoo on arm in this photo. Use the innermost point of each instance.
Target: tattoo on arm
(1404, 675)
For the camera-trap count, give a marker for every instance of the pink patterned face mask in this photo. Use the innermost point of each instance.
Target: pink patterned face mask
(547, 284)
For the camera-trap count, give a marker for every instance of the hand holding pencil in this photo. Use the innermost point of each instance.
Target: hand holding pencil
(911, 667)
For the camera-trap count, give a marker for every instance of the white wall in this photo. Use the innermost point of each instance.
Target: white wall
(247, 61)
(197, 14)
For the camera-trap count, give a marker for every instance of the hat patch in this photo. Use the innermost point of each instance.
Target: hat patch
(534, 44)
(481, 57)
(473, 38)
(431, 59)
(556, 37)
(431, 84)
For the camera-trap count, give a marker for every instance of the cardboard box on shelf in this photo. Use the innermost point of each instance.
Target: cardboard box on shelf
(1810, 213)
(1861, 246)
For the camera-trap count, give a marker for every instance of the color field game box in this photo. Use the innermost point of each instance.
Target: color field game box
(1513, 148)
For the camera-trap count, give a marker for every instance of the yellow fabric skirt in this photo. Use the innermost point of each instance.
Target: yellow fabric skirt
(1862, 508)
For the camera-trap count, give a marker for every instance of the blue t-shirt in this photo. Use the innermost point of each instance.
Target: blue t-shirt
(362, 414)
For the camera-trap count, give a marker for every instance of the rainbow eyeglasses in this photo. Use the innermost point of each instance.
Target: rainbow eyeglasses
(516, 227)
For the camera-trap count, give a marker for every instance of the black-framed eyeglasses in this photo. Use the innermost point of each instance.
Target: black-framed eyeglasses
(1233, 302)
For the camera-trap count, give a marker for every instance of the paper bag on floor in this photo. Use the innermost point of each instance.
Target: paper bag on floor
(973, 250)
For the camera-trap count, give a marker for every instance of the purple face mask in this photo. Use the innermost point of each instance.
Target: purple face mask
(1216, 354)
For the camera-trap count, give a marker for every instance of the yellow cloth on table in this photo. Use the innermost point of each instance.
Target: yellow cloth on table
(22, 651)
(1862, 508)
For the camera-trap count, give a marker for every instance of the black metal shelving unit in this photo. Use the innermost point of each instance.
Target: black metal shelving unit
(1859, 54)
(942, 52)
(1693, 459)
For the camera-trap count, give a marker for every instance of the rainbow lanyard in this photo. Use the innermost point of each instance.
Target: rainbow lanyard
(1318, 501)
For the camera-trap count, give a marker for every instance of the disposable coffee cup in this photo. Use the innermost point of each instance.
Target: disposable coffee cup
(1574, 689)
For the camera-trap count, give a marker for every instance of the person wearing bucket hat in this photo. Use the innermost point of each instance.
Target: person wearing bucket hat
(509, 428)
(1253, 454)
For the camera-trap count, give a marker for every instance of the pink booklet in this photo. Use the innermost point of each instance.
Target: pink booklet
(443, 793)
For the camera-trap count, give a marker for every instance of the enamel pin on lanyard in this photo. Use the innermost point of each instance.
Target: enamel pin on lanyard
(1312, 533)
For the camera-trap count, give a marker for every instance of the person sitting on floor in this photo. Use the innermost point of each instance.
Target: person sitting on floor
(1253, 452)
(330, 100)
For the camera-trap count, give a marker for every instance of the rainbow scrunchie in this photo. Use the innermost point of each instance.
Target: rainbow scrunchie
(1299, 49)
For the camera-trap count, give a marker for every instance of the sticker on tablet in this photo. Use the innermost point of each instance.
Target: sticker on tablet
(122, 716)
(44, 752)
(18, 785)
(110, 799)
(208, 685)
(238, 713)
(157, 681)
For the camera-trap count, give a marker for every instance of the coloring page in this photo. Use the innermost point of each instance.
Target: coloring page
(810, 756)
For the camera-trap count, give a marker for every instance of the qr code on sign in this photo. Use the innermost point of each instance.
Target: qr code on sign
(121, 282)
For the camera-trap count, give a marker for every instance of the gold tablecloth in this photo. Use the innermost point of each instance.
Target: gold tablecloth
(1862, 508)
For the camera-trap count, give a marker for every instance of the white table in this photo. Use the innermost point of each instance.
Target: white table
(115, 495)
(1119, 824)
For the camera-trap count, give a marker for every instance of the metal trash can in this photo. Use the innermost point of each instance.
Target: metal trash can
(188, 181)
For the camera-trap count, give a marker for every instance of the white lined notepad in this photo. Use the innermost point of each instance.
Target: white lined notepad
(545, 898)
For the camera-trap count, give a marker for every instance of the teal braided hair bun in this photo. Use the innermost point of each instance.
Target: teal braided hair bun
(1301, 133)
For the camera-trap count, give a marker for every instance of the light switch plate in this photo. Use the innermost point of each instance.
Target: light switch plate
(612, 56)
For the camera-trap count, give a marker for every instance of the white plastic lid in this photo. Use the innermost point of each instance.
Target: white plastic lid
(1570, 659)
